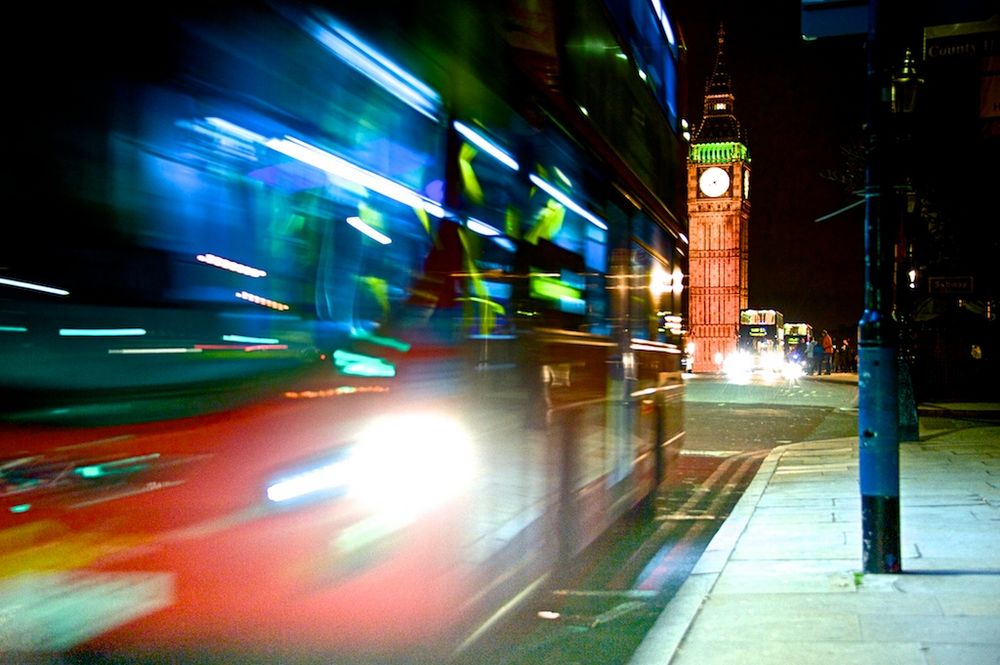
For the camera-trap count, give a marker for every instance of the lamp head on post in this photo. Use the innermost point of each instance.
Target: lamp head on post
(905, 85)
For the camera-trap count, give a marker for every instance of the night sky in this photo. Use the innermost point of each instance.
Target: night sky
(799, 104)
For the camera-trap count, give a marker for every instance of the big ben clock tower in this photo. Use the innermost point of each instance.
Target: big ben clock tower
(718, 216)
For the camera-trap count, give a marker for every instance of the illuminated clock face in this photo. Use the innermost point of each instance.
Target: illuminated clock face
(714, 181)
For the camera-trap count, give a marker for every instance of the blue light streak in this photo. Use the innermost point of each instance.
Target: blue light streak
(372, 233)
(102, 332)
(341, 168)
(492, 149)
(482, 228)
(250, 340)
(661, 14)
(361, 56)
(567, 201)
(33, 287)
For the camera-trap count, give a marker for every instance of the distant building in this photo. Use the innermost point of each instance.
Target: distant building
(719, 217)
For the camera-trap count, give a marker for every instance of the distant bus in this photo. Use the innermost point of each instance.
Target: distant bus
(797, 336)
(762, 335)
(761, 330)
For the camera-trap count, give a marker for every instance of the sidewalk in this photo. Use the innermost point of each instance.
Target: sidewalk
(987, 410)
(781, 581)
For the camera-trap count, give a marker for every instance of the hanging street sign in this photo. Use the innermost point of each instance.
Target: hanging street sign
(959, 284)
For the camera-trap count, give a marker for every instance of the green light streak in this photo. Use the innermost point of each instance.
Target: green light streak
(389, 342)
(356, 364)
(487, 318)
(495, 307)
(552, 289)
(562, 176)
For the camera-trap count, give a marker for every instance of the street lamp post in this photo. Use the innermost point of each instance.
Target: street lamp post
(878, 408)
(903, 99)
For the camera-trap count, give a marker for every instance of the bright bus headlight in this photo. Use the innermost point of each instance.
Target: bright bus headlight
(793, 370)
(401, 465)
(411, 463)
(738, 367)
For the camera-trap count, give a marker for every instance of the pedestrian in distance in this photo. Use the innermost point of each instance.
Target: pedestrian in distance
(816, 358)
(844, 355)
(827, 353)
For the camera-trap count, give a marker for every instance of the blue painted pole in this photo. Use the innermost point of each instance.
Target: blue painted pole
(878, 450)
(878, 409)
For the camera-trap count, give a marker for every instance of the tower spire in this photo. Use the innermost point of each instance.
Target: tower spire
(718, 122)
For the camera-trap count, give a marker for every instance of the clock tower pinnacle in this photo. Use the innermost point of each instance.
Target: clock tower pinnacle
(718, 216)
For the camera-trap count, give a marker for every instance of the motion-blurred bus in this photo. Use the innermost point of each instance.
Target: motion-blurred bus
(327, 331)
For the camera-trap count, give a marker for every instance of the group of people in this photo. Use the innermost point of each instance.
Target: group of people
(825, 357)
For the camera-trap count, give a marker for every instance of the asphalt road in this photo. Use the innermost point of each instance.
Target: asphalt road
(603, 603)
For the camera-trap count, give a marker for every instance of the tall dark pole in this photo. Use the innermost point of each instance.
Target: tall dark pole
(905, 86)
(878, 446)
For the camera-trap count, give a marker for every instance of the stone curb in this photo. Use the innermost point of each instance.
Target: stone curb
(666, 635)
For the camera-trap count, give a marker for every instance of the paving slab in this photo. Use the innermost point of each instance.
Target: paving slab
(782, 580)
